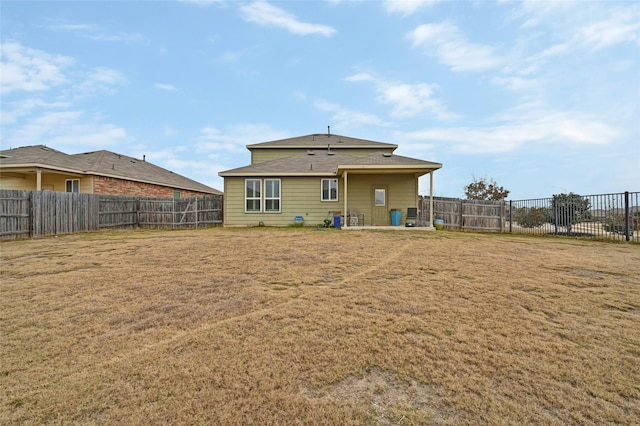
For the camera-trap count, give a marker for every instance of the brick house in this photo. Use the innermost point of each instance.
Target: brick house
(41, 168)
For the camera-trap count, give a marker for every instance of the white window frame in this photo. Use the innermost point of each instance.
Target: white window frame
(330, 181)
(258, 198)
(75, 185)
(267, 198)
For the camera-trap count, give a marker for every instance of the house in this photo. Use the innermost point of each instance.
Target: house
(40, 168)
(315, 177)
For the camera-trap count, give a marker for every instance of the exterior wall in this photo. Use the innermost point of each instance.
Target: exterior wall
(115, 186)
(300, 196)
(49, 182)
(27, 183)
(262, 155)
(402, 192)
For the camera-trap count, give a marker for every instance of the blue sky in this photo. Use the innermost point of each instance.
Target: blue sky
(543, 97)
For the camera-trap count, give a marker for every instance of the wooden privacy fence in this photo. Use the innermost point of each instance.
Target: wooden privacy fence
(39, 213)
(476, 215)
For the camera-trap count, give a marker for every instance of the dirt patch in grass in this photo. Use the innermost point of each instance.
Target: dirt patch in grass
(298, 326)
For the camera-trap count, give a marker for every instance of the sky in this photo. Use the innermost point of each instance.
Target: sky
(541, 96)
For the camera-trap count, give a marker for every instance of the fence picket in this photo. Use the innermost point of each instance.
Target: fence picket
(39, 213)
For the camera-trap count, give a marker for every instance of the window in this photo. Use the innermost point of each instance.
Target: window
(272, 195)
(329, 190)
(252, 195)
(380, 197)
(73, 185)
(177, 194)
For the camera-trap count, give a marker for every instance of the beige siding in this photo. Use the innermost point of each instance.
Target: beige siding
(402, 193)
(26, 183)
(262, 155)
(49, 182)
(301, 197)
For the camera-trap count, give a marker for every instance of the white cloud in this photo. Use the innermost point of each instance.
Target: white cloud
(406, 100)
(233, 139)
(203, 2)
(30, 70)
(65, 128)
(622, 26)
(166, 87)
(97, 33)
(204, 170)
(346, 119)
(583, 25)
(520, 129)
(445, 41)
(24, 107)
(264, 13)
(407, 7)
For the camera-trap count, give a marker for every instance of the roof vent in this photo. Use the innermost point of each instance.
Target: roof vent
(386, 154)
(310, 152)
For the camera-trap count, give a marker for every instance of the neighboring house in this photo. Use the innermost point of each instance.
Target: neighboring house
(40, 168)
(316, 175)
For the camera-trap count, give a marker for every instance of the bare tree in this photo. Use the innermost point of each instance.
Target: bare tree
(483, 189)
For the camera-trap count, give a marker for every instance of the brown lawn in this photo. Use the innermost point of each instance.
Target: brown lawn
(298, 326)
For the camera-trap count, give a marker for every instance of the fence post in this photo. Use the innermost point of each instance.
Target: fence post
(627, 218)
(461, 214)
(35, 199)
(510, 216)
(196, 212)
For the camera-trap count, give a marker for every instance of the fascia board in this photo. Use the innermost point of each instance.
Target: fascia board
(351, 168)
(258, 174)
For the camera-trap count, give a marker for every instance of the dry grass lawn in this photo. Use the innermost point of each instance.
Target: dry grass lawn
(298, 326)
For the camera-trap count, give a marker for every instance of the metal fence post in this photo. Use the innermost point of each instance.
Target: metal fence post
(627, 218)
(510, 216)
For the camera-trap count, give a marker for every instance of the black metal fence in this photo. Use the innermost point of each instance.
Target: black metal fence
(614, 216)
(25, 214)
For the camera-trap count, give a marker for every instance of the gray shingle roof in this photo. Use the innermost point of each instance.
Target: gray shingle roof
(320, 141)
(102, 163)
(318, 163)
(325, 163)
(383, 159)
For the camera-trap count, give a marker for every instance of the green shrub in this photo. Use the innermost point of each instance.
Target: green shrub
(531, 217)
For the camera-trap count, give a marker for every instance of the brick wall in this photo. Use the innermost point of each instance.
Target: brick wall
(115, 186)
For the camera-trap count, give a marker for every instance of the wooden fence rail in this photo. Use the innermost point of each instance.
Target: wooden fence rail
(40, 213)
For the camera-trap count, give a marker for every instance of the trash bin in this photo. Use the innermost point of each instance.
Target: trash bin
(396, 217)
(336, 221)
(438, 223)
(298, 221)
